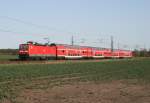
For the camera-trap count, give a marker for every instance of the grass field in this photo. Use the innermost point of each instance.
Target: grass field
(16, 77)
(6, 57)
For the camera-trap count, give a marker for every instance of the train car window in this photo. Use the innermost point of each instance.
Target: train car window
(83, 52)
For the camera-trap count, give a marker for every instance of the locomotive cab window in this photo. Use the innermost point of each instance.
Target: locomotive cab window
(23, 47)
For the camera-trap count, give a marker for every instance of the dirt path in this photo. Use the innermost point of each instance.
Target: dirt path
(88, 92)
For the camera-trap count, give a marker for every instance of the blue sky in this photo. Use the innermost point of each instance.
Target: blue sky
(92, 20)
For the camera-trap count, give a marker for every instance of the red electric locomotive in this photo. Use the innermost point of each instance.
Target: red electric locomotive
(32, 50)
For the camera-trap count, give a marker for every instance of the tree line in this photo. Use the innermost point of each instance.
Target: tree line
(9, 51)
(141, 53)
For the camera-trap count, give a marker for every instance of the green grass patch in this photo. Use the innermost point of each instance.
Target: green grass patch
(6, 57)
(124, 69)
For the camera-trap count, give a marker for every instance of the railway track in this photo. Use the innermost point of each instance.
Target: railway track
(17, 61)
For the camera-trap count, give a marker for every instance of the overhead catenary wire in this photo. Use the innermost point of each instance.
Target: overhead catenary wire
(20, 32)
(46, 35)
(4, 30)
(35, 25)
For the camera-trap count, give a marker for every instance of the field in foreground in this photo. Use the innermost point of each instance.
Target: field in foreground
(125, 80)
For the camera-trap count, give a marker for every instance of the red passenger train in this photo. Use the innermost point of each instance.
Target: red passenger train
(32, 50)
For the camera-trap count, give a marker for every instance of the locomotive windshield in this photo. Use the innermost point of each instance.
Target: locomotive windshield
(23, 47)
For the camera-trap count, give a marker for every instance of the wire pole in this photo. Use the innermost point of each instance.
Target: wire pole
(118, 46)
(72, 40)
(112, 44)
